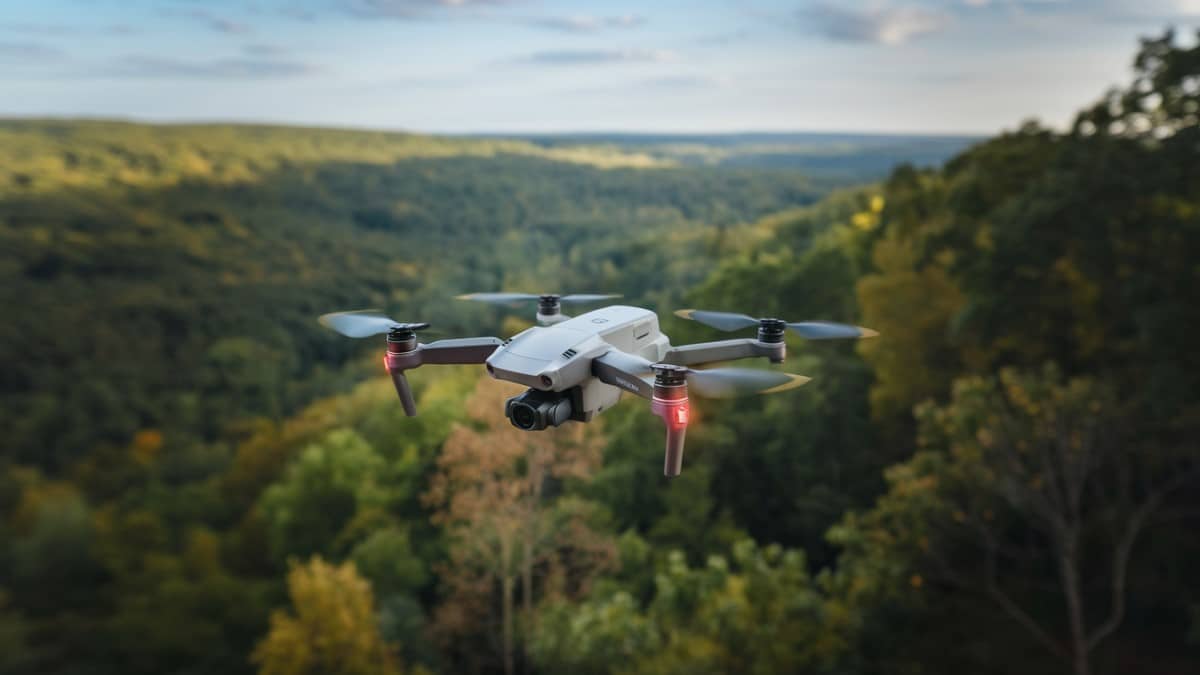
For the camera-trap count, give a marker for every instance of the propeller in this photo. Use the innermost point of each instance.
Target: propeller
(508, 298)
(708, 383)
(812, 330)
(403, 350)
(365, 323)
(549, 310)
(669, 398)
(734, 382)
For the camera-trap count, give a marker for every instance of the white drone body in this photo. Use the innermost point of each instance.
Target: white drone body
(558, 357)
(578, 367)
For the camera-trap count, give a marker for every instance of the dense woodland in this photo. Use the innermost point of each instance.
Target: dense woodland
(197, 478)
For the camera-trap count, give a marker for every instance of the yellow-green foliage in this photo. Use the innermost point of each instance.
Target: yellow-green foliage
(43, 155)
(331, 628)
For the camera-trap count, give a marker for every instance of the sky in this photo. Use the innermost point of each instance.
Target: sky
(542, 66)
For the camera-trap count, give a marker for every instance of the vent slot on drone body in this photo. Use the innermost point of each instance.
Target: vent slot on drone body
(569, 353)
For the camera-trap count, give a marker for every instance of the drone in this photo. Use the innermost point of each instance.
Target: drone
(577, 367)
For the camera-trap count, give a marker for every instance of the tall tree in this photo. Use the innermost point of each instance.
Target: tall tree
(1024, 481)
(497, 495)
(332, 627)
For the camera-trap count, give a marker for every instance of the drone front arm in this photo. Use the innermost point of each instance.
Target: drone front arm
(405, 353)
(624, 371)
(459, 350)
(724, 350)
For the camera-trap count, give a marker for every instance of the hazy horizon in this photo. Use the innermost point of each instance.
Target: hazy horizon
(496, 133)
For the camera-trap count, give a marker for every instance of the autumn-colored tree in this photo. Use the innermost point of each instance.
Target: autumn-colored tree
(496, 495)
(332, 627)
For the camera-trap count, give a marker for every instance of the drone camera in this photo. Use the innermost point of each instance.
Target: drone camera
(535, 410)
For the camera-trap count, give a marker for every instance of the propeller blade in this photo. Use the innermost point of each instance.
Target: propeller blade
(364, 323)
(813, 330)
(579, 298)
(725, 321)
(498, 298)
(826, 330)
(733, 382)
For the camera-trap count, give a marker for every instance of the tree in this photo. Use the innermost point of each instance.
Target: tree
(496, 495)
(1020, 475)
(321, 492)
(913, 305)
(332, 627)
(15, 653)
(755, 611)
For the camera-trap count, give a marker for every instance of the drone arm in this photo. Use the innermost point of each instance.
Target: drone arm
(461, 350)
(724, 350)
(407, 354)
(624, 371)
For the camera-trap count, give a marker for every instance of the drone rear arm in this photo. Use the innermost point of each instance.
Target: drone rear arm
(724, 350)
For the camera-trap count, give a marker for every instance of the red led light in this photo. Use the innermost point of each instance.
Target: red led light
(385, 363)
(681, 415)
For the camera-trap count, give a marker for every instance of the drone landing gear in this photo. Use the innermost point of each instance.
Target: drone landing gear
(402, 354)
(670, 402)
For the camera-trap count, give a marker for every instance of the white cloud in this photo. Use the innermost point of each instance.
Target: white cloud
(588, 23)
(407, 9)
(573, 57)
(222, 69)
(880, 24)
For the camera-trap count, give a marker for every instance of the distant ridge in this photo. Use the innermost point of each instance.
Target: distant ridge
(825, 154)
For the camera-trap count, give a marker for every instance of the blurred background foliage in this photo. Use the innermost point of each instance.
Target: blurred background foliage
(196, 478)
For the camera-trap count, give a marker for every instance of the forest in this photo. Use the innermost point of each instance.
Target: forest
(196, 477)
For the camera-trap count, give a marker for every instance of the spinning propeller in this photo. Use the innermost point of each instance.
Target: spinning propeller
(509, 298)
(549, 304)
(668, 390)
(771, 330)
(404, 352)
(365, 323)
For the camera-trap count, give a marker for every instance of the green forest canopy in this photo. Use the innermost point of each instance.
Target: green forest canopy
(195, 477)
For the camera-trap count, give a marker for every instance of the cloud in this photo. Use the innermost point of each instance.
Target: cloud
(724, 39)
(59, 29)
(28, 53)
(683, 82)
(212, 21)
(264, 50)
(587, 23)
(224, 69)
(408, 9)
(1165, 9)
(578, 57)
(879, 24)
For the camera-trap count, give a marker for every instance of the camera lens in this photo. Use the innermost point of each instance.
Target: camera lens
(523, 415)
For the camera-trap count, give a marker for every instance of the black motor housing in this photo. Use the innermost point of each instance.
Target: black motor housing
(535, 410)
